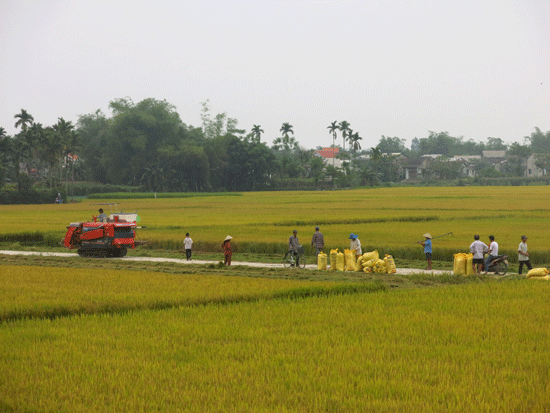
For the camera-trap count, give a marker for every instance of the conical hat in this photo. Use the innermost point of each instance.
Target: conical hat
(427, 235)
(228, 238)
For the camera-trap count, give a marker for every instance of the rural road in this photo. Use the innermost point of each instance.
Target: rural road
(401, 271)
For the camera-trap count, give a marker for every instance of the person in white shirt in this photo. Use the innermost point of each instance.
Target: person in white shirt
(355, 245)
(187, 244)
(477, 248)
(523, 255)
(493, 252)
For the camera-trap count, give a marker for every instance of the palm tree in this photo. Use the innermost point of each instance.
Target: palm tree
(257, 132)
(24, 119)
(344, 127)
(369, 176)
(286, 129)
(354, 141)
(332, 128)
(376, 155)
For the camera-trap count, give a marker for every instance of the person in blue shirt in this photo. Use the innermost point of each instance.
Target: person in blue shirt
(427, 244)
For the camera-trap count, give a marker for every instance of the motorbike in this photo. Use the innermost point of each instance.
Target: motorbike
(499, 265)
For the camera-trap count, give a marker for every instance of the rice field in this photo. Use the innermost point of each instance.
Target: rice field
(483, 347)
(390, 219)
(46, 292)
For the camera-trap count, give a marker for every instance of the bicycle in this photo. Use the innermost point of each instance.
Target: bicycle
(290, 258)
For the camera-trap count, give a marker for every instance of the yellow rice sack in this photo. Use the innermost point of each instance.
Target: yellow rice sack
(349, 260)
(390, 264)
(373, 255)
(459, 264)
(322, 261)
(380, 267)
(537, 272)
(359, 263)
(340, 262)
(367, 269)
(369, 263)
(333, 255)
(544, 277)
(469, 262)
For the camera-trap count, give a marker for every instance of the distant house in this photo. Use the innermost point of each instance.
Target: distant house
(496, 158)
(493, 154)
(329, 156)
(414, 169)
(532, 170)
(468, 167)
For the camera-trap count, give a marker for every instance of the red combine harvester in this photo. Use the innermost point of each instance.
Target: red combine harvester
(103, 239)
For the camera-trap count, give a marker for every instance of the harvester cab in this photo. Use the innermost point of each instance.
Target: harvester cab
(103, 239)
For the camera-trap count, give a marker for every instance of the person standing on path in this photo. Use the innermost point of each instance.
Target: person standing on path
(317, 241)
(187, 244)
(294, 246)
(226, 245)
(523, 255)
(477, 248)
(427, 244)
(493, 252)
(355, 245)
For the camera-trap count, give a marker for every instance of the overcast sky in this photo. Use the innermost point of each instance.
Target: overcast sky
(473, 68)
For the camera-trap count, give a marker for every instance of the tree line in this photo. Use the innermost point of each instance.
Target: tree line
(147, 145)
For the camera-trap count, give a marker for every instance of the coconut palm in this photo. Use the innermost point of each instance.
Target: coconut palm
(332, 128)
(24, 119)
(353, 140)
(376, 155)
(286, 128)
(344, 127)
(257, 132)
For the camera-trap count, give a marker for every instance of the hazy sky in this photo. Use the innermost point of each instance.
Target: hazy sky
(474, 68)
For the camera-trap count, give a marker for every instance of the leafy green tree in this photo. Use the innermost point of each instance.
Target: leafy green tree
(517, 157)
(136, 133)
(444, 168)
(317, 169)
(495, 144)
(94, 136)
(540, 142)
(368, 175)
(5, 155)
(391, 145)
(332, 172)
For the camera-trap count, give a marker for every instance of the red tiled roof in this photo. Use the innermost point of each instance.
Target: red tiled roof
(328, 153)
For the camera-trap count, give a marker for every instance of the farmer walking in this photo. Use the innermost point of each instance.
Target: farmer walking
(226, 245)
(523, 255)
(477, 248)
(427, 244)
(317, 241)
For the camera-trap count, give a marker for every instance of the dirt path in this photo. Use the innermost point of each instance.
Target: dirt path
(402, 271)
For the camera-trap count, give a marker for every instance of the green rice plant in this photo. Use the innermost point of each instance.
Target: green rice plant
(458, 349)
